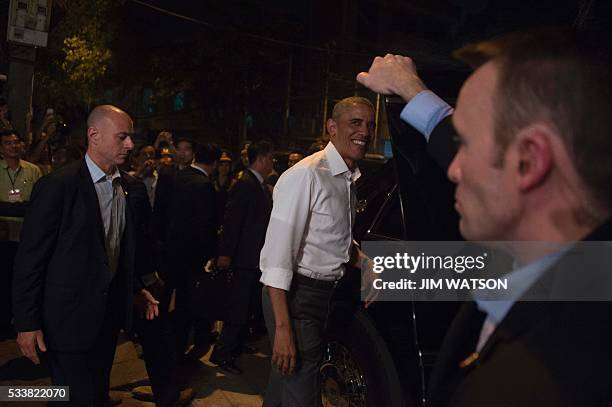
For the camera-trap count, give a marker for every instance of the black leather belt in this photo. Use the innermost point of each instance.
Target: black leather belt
(313, 282)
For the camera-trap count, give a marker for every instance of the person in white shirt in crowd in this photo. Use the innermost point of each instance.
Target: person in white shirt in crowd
(308, 241)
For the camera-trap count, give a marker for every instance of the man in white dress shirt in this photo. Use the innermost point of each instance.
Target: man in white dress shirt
(308, 241)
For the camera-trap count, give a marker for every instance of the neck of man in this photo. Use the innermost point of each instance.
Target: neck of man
(258, 169)
(108, 168)
(351, 164)
(549, 231)
(13, 163)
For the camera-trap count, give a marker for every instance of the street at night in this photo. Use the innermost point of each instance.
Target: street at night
(310, 203)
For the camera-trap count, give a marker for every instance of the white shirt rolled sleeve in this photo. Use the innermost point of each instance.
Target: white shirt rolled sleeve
(292, 195)
(310, 227)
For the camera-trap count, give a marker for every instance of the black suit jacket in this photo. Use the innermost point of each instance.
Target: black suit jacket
(541, 354)
(61, 276)
(246, 219)
(191, 225)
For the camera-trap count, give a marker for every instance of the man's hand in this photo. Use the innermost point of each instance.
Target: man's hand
(393, 75)
(146, 304)
(29, 341)
(367, 280)
(361, 261)
(145, 168)
(224, 262)
(284, 355)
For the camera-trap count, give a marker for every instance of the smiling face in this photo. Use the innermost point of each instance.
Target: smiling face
(10, 146)
(486, 196)
(352, 131)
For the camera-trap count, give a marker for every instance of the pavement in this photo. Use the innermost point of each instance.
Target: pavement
(213, 388)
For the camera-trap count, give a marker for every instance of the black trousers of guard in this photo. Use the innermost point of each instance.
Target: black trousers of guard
(241, 302)
(87, 374)
(159, 353)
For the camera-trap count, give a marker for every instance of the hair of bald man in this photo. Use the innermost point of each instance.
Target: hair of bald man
(348, 103)
(101, 112)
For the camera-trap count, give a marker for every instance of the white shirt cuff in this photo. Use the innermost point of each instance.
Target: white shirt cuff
(277, 278)
(425, 111)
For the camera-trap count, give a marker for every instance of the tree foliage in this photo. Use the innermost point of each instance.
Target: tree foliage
(72, 70)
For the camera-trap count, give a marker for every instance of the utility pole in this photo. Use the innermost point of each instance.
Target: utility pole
(28, 28)
(325, 96)
(287, 110)
(20, 83)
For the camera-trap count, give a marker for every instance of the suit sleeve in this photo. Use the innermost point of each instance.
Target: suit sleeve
(441, 145)
(162, 197)
(38, 240)
(207, 219)
(144, 261)
(235, 213)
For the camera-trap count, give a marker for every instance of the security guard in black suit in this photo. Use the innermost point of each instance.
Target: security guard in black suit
(242, 237)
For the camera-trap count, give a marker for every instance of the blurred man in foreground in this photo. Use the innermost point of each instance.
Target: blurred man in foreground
(532, 163)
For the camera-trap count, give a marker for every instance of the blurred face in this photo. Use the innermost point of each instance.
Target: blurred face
(10, 147)
(111, 139)
(224, 167)
(59, 158)
(147, 159)
(267, 163)
(244, 156)
(294, 159)
(352, 131)
(184, 153)
(147, 153)
(485, 197)
(166, 160)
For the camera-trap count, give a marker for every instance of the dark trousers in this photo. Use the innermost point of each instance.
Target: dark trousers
(308, 309)
(185, 318)
(87, 373)
(241, 304)
(159, 353)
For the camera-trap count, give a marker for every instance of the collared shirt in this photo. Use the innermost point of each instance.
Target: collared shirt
(22, 179)
(202, 170)
(519, 280)
(425, 111)
(259, 177)
(150, 184)
(310, 229)
(106, 192)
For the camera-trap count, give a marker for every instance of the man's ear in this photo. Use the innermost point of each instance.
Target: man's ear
(332, 127)
(92, 135)
(535, 155)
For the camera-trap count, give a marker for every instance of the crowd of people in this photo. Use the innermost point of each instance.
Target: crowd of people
(200, 207)
(101, 249)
